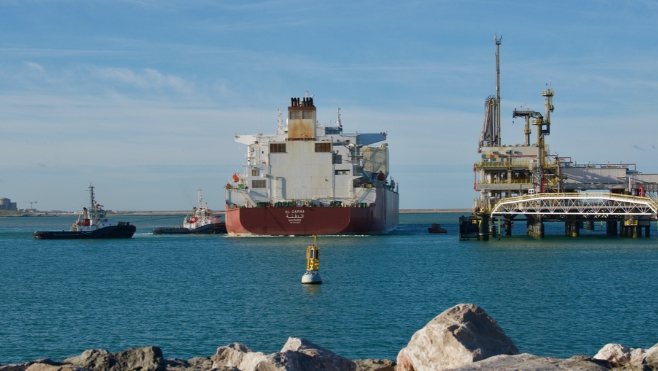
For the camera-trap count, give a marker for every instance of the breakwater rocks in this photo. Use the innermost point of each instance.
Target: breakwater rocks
(463, 338)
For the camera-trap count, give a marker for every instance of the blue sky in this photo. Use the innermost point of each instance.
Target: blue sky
(143, 97)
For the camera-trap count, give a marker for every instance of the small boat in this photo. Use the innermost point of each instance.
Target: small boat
(202, 221)
(436, 228)
(93, 224)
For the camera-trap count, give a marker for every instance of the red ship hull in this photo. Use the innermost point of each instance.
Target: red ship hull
(380, 217)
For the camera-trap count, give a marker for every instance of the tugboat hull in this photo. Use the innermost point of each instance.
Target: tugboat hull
(217, 228)
(117, 231)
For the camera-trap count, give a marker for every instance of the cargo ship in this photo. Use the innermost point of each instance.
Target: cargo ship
(202, 221)
(312, 179)
(92, 224)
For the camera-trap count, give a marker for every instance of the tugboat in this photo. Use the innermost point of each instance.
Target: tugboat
(436, 228)
(93, 224)
(202, 222)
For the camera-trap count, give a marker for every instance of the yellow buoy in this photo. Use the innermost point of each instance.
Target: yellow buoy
(312, 276)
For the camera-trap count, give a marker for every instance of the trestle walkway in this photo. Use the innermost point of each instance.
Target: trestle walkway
(585, 204)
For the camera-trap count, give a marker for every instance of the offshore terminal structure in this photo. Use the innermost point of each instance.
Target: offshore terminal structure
(527, 182)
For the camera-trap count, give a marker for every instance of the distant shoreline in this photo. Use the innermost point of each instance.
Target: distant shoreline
(183, 213)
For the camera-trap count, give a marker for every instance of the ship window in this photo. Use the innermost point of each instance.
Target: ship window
(254, 171)
(294, 115)
(342, 172)
(258, 183)
(277, 147)
(307, 114)
(336, 159)
(322, 147)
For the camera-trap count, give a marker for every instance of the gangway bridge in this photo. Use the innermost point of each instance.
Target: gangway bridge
(632, 213)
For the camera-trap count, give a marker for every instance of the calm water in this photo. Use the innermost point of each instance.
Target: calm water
(190, 294)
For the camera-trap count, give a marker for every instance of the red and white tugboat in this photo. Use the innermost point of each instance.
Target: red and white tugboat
(93, 224)
(202, 221)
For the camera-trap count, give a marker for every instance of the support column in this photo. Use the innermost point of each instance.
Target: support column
(575, 228)
(535, 227)
(483, 232)
(611, 227)
(647, 230)
(636, 232)
(508, 227)
(589, 225)
(567, 228)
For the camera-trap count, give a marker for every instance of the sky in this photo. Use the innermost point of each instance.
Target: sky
(142, 98)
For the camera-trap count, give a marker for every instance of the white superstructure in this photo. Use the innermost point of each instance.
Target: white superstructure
(307, 163)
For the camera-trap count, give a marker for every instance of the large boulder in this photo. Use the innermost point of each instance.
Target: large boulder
(40, 364)
(459, 336)
(529, 362)
(50, 367)
(296, 355)
(621, 357)
(301, 355)
(374, 365)
(239, 356)
(614, 354)
(137, 359)
(650, 358)
(193, 364)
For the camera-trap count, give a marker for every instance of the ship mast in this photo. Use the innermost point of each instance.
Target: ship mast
(93, 210)
(198, 191)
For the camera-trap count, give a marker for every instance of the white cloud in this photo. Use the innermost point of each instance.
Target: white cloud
(148, 79)
(34, 67)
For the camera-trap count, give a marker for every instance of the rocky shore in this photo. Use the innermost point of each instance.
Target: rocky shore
(463, 338)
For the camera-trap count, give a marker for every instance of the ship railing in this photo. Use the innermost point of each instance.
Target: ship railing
(503, 164)
(505, 181)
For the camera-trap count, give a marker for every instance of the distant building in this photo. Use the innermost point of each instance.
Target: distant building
(6, 204)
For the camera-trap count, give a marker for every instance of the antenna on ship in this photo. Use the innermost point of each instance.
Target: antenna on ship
(280, 118)
(93, 202)
(312, 276)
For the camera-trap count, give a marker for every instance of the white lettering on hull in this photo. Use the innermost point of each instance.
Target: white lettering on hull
(295, 216)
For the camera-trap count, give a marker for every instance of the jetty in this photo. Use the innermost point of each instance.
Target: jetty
(526, 182)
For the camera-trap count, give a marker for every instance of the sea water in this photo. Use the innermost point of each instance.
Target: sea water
(188, 294)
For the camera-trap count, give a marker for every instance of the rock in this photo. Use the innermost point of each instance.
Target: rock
(614, 354)
(239, 356)
(651, 357)
(24, 366)
(459, 336)
(296, 355)
(374, 365)
(193, 364)
(200, 363)
(301, 354)
(529, 362)
(143, 359)
(51, 367)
